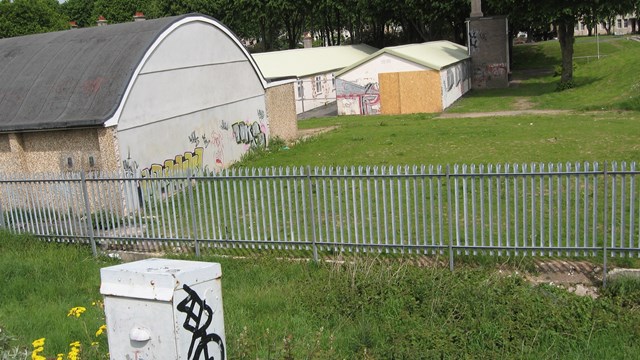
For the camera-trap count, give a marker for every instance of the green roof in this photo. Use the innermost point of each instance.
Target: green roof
(434, 54)
(310, 61)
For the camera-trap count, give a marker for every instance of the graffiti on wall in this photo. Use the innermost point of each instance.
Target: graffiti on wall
(181, 162)
(249, 133)
(488, 72)
(456, 77)
(357, 99)
(475, 37)
(199, 317)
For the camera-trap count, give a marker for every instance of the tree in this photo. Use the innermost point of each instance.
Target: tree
(24, 17)
(79, 11)
(563, 15)
(118, 11)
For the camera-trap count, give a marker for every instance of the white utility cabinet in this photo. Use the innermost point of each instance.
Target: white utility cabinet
(164, 309)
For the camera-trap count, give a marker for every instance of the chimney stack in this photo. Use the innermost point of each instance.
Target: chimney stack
(307, 41)
(476, 8)
(101, 21)
(139, 16)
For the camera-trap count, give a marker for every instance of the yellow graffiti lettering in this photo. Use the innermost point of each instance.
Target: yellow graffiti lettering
(189, 160)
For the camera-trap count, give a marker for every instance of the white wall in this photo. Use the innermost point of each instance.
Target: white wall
(197, 101)
(367, 73)
(456, 81)
(313, 98)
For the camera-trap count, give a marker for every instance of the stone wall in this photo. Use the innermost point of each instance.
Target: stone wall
(281, 111)
(58, 151)
(489, 49)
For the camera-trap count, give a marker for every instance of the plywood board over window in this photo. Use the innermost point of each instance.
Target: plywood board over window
(410, 92)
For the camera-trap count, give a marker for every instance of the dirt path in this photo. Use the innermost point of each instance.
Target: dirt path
(501, 113)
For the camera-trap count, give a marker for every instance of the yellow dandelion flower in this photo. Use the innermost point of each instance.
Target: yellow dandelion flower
(60, 357)
(75, 344)
(101, 329)
(95, 343)
(38, 343)
(77, 311)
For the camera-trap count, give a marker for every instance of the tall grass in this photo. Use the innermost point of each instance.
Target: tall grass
(361, 308)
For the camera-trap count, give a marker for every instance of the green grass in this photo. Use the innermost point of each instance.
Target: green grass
(365, 308)
(423, 139)
(610, 83)
(41, 282)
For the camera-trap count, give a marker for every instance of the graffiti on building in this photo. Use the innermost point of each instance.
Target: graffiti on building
(216, 142)
(205, 140)
(261, 115)
(129, 165)
(199, 316)
(474, 38)
(496, 70)
(224, 125)
(456, 78)
(194, 139)
(188, 160)
(358, 99)
(249, 133)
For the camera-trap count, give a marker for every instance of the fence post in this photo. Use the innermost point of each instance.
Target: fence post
(87, 210)
(2, 224)
(449, 217)
(313, 215)
(194, 230)
(605, 225)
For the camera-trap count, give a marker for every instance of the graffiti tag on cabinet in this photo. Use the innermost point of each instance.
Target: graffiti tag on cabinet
(199, 317)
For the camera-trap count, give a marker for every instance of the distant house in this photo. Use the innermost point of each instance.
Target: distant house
(313, 69)
(621, 25)
(413, 78)
(146, 97)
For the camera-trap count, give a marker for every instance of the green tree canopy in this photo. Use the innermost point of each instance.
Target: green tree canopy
(24, 17)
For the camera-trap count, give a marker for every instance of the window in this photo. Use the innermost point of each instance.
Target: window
(619, 23)
(626, 23)
(300, 89)
(319, 84)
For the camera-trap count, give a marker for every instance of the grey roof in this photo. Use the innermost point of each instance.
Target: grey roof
(71, 78)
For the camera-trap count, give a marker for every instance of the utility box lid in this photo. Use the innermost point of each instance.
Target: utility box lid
(155, 279)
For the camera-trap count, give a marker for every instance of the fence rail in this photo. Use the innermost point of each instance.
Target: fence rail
(569, 209)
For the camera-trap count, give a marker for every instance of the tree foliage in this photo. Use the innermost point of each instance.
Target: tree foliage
(23, 17)
(540, 15)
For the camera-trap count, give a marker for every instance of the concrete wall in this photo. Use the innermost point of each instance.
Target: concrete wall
(488, 44)
(281, 112)
(197, 102)
(358, 90)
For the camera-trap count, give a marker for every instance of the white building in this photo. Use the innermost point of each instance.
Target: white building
(313, 69)
(622, 25)
(404, 79)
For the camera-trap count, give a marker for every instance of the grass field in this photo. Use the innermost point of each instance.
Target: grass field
(424, 139)
(610, 83)
(367, 308)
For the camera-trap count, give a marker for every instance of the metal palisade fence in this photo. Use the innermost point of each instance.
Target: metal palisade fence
(569, 209)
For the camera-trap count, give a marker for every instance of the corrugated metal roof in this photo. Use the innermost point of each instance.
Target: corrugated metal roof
(310, 61)
(71, 78)
(434, 54)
